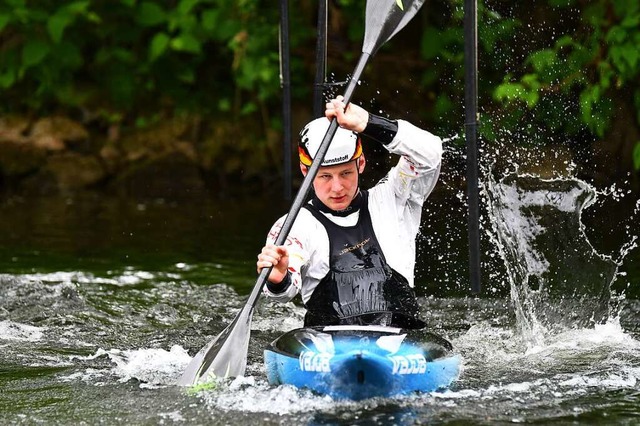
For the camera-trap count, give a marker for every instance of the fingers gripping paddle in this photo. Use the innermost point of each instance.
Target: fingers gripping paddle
(226, 354)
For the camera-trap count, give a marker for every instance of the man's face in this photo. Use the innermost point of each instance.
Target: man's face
(336, 185)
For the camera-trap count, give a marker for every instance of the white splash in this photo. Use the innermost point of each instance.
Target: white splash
(246, 394)
(152, 367)
(126, 278)
(10, 330)
(604, 356)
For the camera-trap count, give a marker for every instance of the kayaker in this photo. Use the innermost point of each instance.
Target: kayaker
(351, 252)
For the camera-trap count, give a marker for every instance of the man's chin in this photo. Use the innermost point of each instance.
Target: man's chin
(338, 206)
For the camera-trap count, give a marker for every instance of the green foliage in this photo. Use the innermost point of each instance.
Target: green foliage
(593, 61)
(547, 70)
(135, 57)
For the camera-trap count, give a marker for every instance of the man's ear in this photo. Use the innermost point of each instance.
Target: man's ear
(361, 163)
(304, 169)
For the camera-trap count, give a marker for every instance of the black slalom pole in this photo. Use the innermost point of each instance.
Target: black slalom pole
(321, 60)
(471, 134)
(285, 82)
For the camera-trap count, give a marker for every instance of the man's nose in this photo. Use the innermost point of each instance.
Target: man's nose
(336, 184)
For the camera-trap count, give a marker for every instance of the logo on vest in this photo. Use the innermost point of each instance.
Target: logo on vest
(355, 247)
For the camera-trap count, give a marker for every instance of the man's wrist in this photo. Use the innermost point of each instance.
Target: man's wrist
(381, 129)
(280, 287)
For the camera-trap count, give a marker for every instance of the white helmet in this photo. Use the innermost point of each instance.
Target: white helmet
(344, 147)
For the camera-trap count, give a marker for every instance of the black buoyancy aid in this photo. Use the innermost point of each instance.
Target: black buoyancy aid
(360, 287)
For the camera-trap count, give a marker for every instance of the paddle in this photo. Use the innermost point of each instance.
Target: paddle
(226, 354)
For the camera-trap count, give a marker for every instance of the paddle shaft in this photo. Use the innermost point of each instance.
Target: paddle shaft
(307, 183)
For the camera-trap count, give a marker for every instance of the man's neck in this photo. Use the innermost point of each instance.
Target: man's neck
(353, 207)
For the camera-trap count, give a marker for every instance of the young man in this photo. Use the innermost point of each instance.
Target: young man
(351, 252)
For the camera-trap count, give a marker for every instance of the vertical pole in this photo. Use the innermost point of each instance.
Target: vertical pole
(321, 60)
(471, 132)
(285, 82)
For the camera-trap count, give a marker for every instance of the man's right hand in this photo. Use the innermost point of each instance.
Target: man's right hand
(276, 256)
(350, 117)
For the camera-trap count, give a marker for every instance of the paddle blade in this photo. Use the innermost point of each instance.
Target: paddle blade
(225, 356)
(384, 18)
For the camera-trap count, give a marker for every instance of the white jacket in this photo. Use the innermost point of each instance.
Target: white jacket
(395, 204)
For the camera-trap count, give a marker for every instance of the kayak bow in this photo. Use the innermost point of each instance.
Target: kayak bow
(359, 362)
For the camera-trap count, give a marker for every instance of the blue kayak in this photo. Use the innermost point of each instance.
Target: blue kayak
(358, 362)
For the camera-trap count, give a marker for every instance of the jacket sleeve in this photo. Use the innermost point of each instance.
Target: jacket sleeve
(417, 171)
(396, 201)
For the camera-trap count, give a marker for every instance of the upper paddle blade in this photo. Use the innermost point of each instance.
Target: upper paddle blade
(225, 356)
(384, 18)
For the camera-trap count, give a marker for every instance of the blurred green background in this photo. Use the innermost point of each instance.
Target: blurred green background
(183, 97)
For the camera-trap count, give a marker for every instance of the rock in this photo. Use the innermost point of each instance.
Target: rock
(154, 141)
(172, 175)
(60, 127)
(75, 170)
(53, 133)
(13, 128)
(19, 158)
(111, 157)
(63, 173)
(49, 143)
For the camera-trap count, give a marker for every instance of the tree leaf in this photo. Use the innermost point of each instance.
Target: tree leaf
(5, 18)
(431, 43)
(56, 25)
(150, 14)
(33, 52)
(209, 19)
(542, 59)
(507, 92)
(158, 46)
(186, 43)
(7, 78)
(185, 6)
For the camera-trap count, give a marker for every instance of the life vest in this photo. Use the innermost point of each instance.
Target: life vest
(360, 287)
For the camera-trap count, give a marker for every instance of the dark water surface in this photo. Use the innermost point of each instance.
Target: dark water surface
(104, 301)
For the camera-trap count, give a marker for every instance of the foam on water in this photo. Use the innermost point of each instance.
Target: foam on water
(10, 330)
(128, 277)
(151, 366)
(278, 317)
(247, 394)
(566, 363)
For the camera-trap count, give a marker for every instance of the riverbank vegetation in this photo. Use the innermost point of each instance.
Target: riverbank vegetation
(167, 98)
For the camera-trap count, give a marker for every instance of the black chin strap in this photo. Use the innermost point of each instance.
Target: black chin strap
(355, 206)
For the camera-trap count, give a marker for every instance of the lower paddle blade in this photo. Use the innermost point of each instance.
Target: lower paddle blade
(384, 18)
(225, 356)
